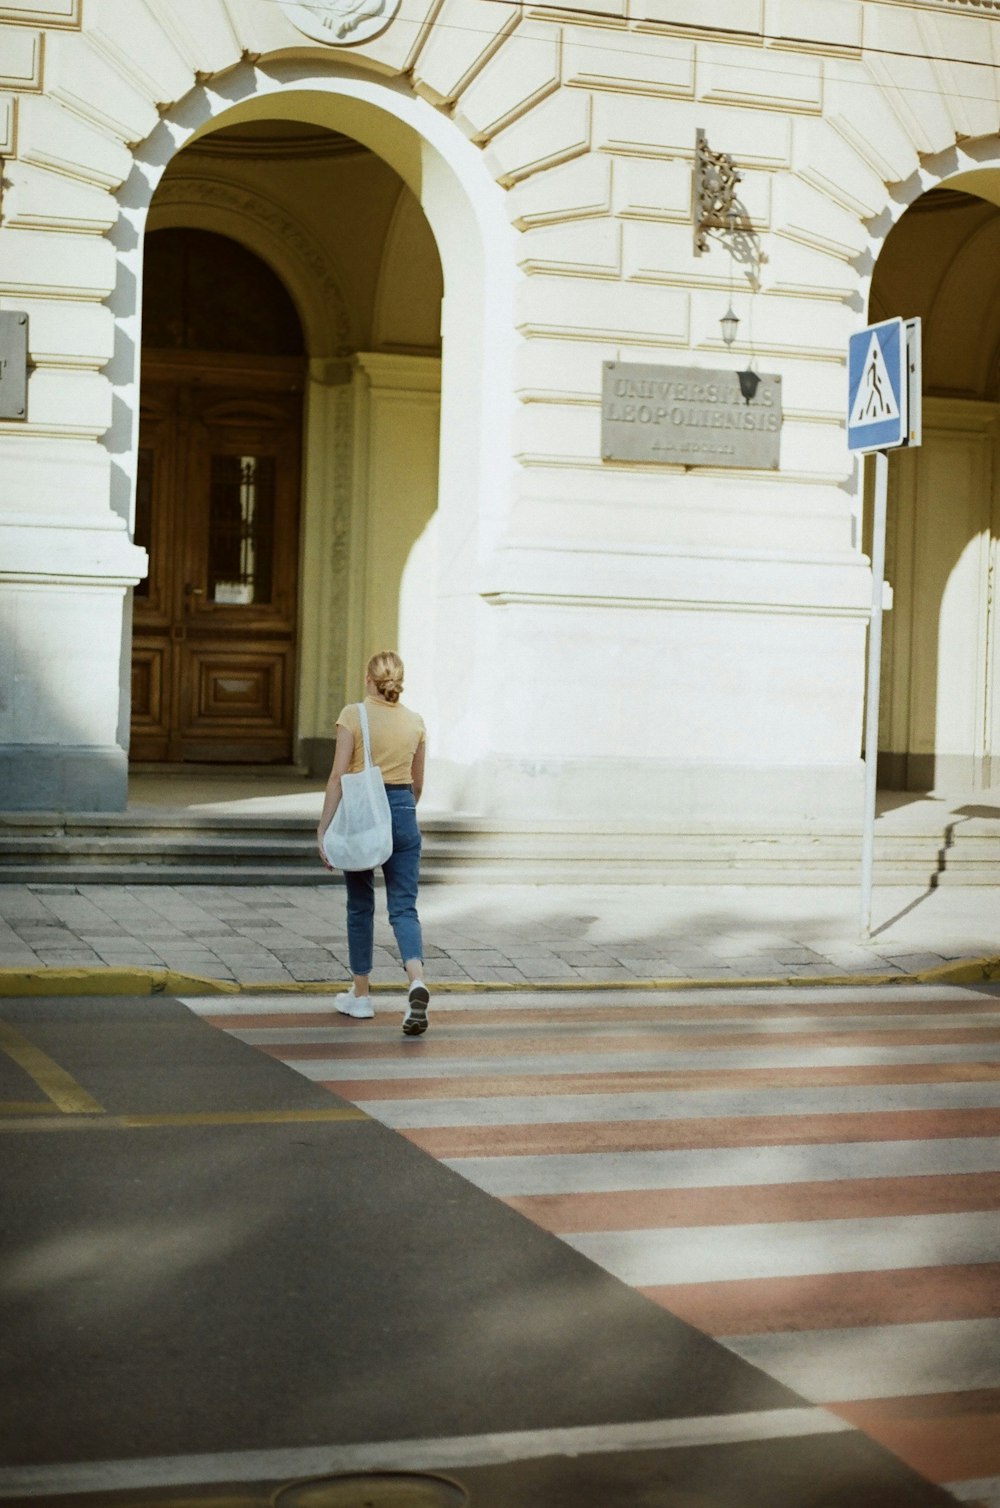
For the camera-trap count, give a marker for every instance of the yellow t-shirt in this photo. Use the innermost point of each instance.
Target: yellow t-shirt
(395, 732)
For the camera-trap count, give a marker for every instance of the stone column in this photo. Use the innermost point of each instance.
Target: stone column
(65, 574)
(66, 559)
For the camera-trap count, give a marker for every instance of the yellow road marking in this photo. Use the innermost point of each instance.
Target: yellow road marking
(193, 1118)
(64, 1092)
(244, 1117)
(25, 1107)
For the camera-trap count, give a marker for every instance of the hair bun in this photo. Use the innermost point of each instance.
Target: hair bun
(386, 670)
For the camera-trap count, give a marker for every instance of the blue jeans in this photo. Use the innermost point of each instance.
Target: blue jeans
(402, 876)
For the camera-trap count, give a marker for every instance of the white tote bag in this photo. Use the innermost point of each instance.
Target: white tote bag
(360, 835)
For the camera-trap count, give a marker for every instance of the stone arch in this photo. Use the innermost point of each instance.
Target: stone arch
(464, 208)
(971, 166)
(937, 251)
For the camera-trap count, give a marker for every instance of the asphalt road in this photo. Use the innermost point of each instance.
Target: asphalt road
(216, 1276)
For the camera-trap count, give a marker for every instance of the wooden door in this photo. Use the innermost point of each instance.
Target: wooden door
(213, 662)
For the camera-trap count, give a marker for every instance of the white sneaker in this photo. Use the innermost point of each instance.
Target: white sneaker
(415, 1020)
(358, 1006)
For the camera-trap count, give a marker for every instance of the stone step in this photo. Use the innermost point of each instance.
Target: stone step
(891, 875)
(459, 848)
(179, 847)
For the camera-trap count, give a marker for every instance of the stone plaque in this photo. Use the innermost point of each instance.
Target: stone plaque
(688, 416)
(13, 364)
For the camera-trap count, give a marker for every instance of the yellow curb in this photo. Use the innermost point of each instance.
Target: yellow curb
(42, 981)
(110, 982)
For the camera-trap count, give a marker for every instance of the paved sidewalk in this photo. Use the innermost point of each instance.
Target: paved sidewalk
(506, 934)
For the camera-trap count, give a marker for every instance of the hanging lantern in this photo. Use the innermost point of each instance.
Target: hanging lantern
(749, 383)
(729, 321)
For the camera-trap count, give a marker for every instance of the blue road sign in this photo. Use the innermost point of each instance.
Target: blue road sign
(877, 387)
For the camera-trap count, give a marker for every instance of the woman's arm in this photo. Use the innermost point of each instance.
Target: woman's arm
(417, 769)
(341, 765)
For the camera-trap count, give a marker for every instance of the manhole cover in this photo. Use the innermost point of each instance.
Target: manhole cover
(376, 1489)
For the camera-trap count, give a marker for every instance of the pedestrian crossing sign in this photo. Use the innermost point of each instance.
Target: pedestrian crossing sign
(877, 387)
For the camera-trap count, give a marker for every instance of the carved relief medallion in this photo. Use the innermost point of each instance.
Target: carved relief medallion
(342, 23)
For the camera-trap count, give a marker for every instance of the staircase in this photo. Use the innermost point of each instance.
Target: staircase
(185, 846)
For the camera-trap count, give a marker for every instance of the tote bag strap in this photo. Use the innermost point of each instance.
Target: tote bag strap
(363, 718)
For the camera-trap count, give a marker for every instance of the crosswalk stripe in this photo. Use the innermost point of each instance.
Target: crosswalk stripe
(762, 1059)
(814, 1179)
(877, 1361)
(259, 1031)
(656, 1105)
(627, 1135)
(825, 1301)
(778, 1003)
(840, 1199)
(983, 1491)
(667, 1041)
(724, 1167)
(792, 1249)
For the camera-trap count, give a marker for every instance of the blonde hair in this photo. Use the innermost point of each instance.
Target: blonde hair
(386, 670)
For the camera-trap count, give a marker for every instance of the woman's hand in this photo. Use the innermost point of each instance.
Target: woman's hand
(417, 770)
(320, 835)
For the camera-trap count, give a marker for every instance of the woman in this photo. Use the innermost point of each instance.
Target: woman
(398, 745)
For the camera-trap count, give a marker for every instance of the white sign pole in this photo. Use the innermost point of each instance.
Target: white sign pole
(874, 688)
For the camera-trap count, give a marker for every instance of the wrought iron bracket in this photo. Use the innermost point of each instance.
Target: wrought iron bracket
(716, 206)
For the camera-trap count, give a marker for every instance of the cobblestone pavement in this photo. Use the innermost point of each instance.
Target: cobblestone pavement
(500, 933)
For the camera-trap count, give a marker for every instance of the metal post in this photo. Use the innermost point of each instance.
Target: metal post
(874, 688)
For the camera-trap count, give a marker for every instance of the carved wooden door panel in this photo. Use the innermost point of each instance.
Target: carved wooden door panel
(213, 666)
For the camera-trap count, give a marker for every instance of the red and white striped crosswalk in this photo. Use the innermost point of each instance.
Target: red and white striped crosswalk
(811, 1176)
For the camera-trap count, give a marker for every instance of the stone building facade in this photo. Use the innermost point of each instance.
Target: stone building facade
(319, 300)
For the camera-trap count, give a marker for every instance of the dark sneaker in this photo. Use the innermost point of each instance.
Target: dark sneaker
(415, 1020)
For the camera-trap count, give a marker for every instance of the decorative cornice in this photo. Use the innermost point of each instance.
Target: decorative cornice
(407, 373)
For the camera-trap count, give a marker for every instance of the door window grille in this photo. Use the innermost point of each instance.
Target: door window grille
(241, 530)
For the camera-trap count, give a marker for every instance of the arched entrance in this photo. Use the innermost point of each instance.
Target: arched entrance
(391, 535)
(294, 259)
(217, 505)
(940, 717)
